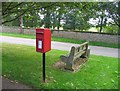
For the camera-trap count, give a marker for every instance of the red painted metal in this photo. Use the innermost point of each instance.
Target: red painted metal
(43, 40)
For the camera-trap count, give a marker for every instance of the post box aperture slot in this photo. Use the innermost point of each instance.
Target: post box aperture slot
(40, 44)
(40, 35)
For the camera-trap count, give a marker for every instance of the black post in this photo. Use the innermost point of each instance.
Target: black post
(43, 67)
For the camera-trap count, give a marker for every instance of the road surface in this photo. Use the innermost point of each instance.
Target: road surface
(104, 51)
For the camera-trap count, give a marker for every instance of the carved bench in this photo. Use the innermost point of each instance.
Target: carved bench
(76, 57)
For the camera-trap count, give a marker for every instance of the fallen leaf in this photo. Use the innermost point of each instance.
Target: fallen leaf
(112, 80)
(4, 75)
(104, 84)
(54, 80)
(96, 83)
(71, 84)
(116, 72)
(11, 81)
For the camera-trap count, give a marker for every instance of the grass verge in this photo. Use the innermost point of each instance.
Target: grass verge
(67, 40)
(23, 64)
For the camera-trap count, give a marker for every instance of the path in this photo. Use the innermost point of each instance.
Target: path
(104, 51)
(9, 84)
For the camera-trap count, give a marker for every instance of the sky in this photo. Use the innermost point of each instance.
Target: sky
(91, 21)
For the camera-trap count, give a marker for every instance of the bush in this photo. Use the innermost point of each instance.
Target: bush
(110, 29)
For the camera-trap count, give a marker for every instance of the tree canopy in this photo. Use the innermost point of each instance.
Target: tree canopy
(69, 15)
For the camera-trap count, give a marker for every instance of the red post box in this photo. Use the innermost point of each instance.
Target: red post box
(43, 40)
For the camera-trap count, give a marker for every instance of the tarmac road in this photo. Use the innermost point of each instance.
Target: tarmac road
(96, 50)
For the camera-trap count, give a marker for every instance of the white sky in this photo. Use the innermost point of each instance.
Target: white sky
(91, 21)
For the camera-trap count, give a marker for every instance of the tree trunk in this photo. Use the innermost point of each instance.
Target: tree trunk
(59, 18)
(101, 24)
(47, 21)
(54, 21)
(74, 24)
(119, 17)
(21, 24)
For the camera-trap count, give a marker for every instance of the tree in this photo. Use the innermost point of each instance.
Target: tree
(31, 19)
(77, 17)
(17, 9)
(105, 11)
(47, 20)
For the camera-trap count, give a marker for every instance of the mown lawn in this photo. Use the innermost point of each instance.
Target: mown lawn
(67, 40)
(23, 64)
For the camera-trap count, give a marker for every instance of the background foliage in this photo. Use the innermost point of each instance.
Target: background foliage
(74, 16)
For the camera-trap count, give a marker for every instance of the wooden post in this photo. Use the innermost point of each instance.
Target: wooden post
(43, 70)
